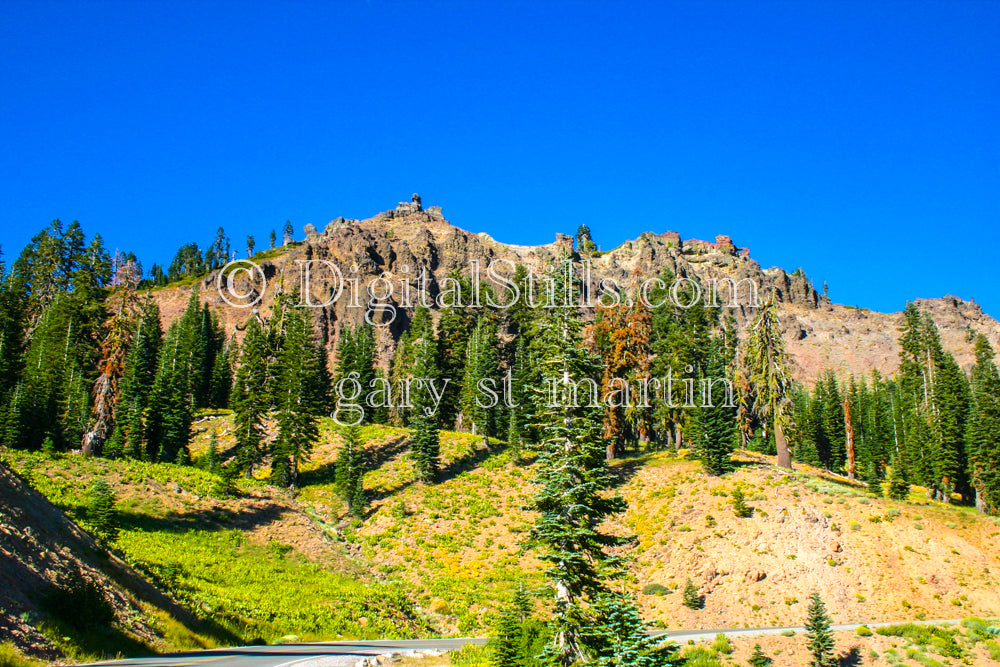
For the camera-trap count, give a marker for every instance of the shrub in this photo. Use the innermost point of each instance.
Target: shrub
(864, 631)
(470, 655)
(11, 657)
(77, 602)
(655, 589)
(722, 645)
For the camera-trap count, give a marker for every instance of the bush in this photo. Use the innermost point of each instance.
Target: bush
(864, 631)
(470, 655)
(11, 657)
(722, 645)
(655, 589)
(77, 602)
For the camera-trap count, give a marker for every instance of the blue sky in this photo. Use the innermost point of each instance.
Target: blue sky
(858, 140)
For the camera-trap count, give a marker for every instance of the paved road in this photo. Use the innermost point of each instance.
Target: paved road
(335, 654)
(293, 654)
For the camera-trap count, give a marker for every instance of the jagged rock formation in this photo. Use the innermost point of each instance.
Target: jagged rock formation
(410, 242)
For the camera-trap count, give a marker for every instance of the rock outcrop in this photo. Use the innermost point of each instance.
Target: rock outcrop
(412, 244)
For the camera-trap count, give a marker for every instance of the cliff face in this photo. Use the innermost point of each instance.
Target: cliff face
(417, 247)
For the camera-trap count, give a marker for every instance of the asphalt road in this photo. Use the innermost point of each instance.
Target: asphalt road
(334, 654)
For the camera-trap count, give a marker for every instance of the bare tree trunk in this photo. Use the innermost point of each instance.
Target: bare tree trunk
(784, 454)
(678, 437)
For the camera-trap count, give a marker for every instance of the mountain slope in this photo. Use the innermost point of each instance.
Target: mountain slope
(404, 242)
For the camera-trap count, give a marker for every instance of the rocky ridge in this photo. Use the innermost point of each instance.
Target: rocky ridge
(410, 241)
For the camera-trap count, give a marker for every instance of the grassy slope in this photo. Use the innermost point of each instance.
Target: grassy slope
(269, 565)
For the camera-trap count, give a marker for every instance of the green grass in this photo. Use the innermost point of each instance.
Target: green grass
(254, 591)
(257, 592)
(11, 657)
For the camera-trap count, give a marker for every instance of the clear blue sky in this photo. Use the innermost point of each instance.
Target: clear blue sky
(858, 140)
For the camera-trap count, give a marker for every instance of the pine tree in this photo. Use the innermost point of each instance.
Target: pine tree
(740, 507)
(298, 404)
(622, 334)
(421, 327)
(692, 598)
(766, 371)
(272, 238)
(522, 376)
(572, 479)
(251, 244)
(350, 470)
(758, 658)
(101, 510)
(897, 487)
(819, 636)
(505, 645)
(873, 479)
(138, 376)
(951, 405)
(171, 404)
(982, 435)
(212, 462)
(480, 365)
(622, 637)
(713, 426)
(251, 400)
(425, 440)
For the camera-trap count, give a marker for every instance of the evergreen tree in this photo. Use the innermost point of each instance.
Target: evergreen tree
(766, 372)
(138, 376)
(758, 658)
(101, 510)
(523, 376)
(982, 436)
(819, 636)
(456, 325)
(171, 405)
(572, 500)
(187, 262)
(740, 507)
(951, 406)
(272, 238)
(714, 425)
(350, 470)
(692, 598)
(251, 244)
(584, 242)
(897, 487)
(212, 462)
(425, 440)
(217, 254)
(480, 365)
(873, 479)
(421, 327)
(298, 403)
(622, 637)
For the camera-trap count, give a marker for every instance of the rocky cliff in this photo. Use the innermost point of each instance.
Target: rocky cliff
(419, 247)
